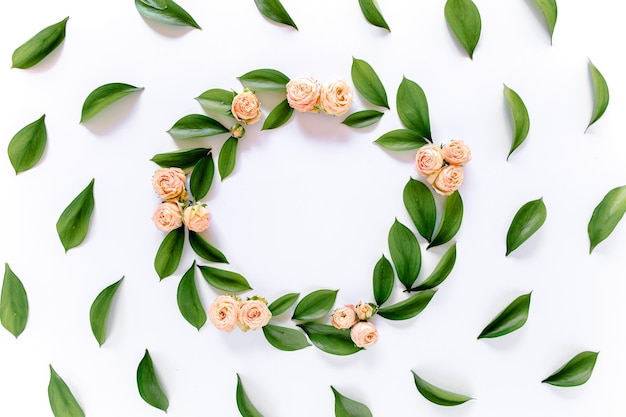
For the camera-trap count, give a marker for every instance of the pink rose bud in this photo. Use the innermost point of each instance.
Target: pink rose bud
(336, 98)
(364, 334)
(169, 184)
(456, 152)
(237, 131)
(224, 313)
(344, 317)
(449, 180)
(303, 94)
(246, 107)
(364, 311)
(196, 217)
(428, 160)
(254, 314)
(167, 216)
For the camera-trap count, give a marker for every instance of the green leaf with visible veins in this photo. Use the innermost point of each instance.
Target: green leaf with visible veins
(39, 46)
(27, 146)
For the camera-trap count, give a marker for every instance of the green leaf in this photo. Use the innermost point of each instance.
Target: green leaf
(450, 221)
(278, 116)
(420, 203)
(169, 253)
(227, 157)
(217, 100)
(185, 158)
(62, 402)
(148, 384)
(528, 219)
(575, 372)
(195, 126)
(329, 339)
(245, 406)
(202, 177)
(188, 299)
(513, 317)
(284, 338)
(408, 308)
(283, 303)
(227, 281)
(464, 20)
(519, 116)
(13, 303)
(363, 118)
(346, 407)
(204, 249)
(27, 146)
(165, 11)
(383, 280)
(365, 78)
(600, 94)
(441, 272)
(401, 140)
(103, 96)
(549, 10)
(39, 46)
(73, 223)
(372, 13)
(606, 216)
(315, 305)
(264, 79)
(274, 10)
(99, 311)
(405, 253)
(413, 108)
(437, 395)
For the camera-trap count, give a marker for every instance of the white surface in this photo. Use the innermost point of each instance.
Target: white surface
(309, 206)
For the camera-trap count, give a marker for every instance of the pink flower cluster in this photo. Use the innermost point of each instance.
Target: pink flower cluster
(362, 332)
(306, 94)
(175, 209)
(228, 312)
(246, 107)
(442, 166)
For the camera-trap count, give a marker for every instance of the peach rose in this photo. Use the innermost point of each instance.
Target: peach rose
(428, 160)
(344, 317)
(254, 314)
(336, 98)
(169, 184)
(246, 107)
(364, 311)
(364, 334)
(303, 94)
(167, 216)
(456, 152)
(448, 180)
(224, 313)
(196, 217)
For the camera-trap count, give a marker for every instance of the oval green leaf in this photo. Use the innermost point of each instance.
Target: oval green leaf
(188, 299)
(413, 108)
(372, 13)
(283, 303)
(315, 305)
(205, 250)
(185, 158)
(437, 395)
(227, 281)
(346, 407)
(27, 146)
(464, 20)
(217, 100)
(165, 11)
(278, 116)
(383, 280)
(62, 401)
(103, 96)
(202, 177)
(363, 118)
(245, 406)
(148, 384)
(169, 253)
(513, 317)
(366, 80)
(13, 303)
(195, 126)
(284, 338)
(450, 220)
(401, 140)
(408, 308)
(73, 223)
(441, 272)
(606, 216)
(329, 339)
(519, 116)
(405, 253)
(549, 10)
(600, 94)
(274, 10)
(528, 219)
(39, 46)
(420, 203)
(99, 311)
(575, 372)
(264, 79)
(227, 158)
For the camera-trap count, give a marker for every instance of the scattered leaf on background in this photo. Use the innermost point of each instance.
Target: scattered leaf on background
(367, 82)
(528, 219)
(169, 253)
(600, 94)
(363, 118)
(330, 339)
(606, 216)
(405, 253)
(39, 46)
(264, 80)
(549, 10)
(408, 308)
(27, 146)
(513, 317)
(217, 100)
(372, 13)
(202, 177)
(73, 223)
(188, 299)
(284, 338)
(99, 311)
(413, 108)
(165, 11)
(451, 220)
(205, 250)
(148, 384)
(464, 20)
(103, 96)
(195, 126)
(282, 304)
(420, 203)
(401, 140)
(575, 372)
(13, 303)
(346, 407)
(227, 157)
(222, 280)
(383, 280)
(274, 10)
(278, 116)
(62, 401)
(441, 272)
(315, 305)
(437, 395)
(245, 406)
(184, 158)
(519, 116)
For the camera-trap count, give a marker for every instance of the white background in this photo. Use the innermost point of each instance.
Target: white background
(309, 206)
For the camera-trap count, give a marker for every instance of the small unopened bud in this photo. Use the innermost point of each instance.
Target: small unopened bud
(237, 131)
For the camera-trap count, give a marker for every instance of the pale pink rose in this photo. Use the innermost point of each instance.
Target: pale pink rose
(167, 216)
(364, 334)
(169, 184)
(254, 314)
(449, 180)
(344, 317)
(428, 160)
(303, 94)
(336, 98)
(224, 313)
(364, 311)
(456, 152)
(246, 107)
(196, 217)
